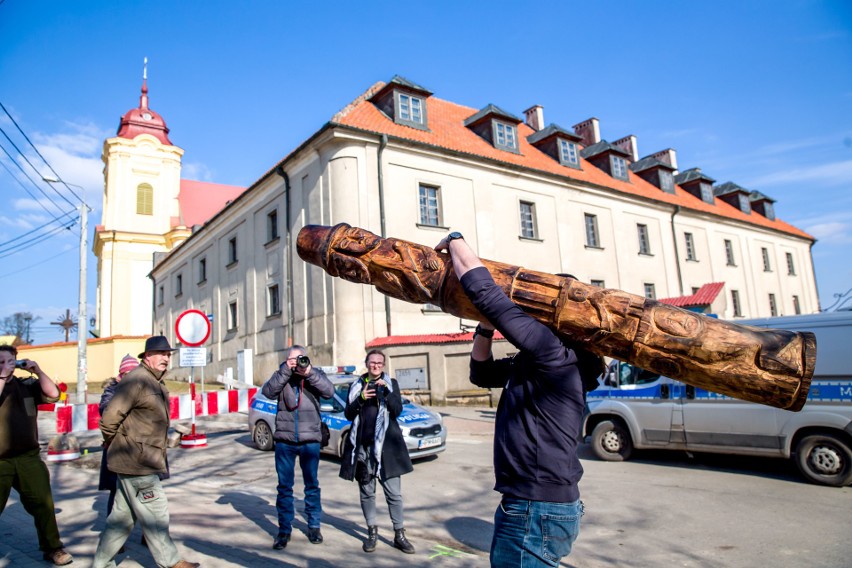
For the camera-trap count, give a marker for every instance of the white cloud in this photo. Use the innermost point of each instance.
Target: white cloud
(831, 233)
(196, 171)
(833, 173)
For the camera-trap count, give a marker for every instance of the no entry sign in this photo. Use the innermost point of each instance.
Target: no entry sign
(192, 328)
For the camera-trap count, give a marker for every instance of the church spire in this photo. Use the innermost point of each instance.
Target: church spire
(143, 99)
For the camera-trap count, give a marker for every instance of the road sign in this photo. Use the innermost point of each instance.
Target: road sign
(193, 356)
(192, 328)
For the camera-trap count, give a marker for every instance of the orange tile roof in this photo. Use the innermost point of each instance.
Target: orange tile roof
(434, 338)
(200, 200)
(447, 131)
(703, 297)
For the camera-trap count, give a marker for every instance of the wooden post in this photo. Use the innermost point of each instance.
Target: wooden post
(767, 366)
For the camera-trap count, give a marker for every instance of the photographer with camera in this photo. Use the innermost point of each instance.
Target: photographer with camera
(20, 464)
(298, 388)
(375, 448)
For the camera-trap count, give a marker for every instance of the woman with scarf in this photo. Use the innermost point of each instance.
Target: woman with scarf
(375, 448)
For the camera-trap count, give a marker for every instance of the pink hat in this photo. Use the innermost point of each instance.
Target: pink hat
(128, 363)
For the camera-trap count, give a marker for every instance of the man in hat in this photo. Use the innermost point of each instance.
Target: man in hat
(135, 426)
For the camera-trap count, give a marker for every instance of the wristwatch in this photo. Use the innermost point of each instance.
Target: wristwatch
(486, 333)
(453, 236)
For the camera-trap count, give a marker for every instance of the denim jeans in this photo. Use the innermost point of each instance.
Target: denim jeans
(285, 465)
(533, 533)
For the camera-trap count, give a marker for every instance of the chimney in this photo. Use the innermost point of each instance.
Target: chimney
(667, 156)
(589, 131)
(629, 145)
(535, 117)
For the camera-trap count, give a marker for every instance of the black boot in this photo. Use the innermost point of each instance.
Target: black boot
(400, 542)
(372, 536)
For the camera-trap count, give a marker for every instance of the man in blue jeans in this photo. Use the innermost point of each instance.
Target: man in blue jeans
(537, 425)
(298, 388)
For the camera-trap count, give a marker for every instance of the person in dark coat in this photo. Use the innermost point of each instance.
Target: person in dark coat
(375, 448)
(108, 479)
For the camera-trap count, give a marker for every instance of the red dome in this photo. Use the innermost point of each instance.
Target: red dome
(143, 120)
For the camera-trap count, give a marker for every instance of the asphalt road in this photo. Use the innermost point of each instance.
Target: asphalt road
(659, 510)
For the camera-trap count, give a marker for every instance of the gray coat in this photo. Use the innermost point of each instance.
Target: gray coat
(298, 417)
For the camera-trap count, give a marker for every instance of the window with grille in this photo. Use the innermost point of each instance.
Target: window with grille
(272, 226)
(644, 241)
(410, 108)
(430, 205)
(619, 167)
(568, 154)
(729, 253)
(690, 246)
(598, 283)
(528, 224)
(592, 239)
(232, 315)
(735, 303)
(273, 300)
(797, 309)
(232, 250)
(767, 267)
(650, 291)
(144, 199)
(505, 136)
(773, 308)
(791, 268)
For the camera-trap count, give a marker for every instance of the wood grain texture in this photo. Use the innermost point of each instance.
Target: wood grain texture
(767, 366)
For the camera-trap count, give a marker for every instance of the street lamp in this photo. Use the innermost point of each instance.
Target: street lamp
(82, 329)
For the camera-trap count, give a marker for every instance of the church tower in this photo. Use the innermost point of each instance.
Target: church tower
(141, 217)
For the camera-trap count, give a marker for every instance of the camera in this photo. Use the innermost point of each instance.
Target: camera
(303, 361)
(20, 364)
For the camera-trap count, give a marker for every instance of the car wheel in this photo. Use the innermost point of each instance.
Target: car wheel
(825, 459)
(611, 442)
(262, 436)
(342, 445)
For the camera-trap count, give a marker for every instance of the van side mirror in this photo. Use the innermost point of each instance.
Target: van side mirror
(324, 407)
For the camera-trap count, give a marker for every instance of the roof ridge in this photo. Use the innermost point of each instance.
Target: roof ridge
(341, 114)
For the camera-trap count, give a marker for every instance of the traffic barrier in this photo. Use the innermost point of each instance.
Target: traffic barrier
(82, 417)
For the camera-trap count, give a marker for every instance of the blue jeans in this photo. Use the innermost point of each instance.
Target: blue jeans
(533, 533)
(285, 465)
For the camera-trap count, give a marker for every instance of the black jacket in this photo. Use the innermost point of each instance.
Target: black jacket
(395, 458)
(540, 413)
(298, 418)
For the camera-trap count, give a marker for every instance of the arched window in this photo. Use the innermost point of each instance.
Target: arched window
(144, 199)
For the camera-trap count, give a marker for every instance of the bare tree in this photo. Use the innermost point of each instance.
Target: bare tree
(19, 325)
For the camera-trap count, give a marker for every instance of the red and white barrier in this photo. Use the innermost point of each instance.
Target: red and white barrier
(81, 417)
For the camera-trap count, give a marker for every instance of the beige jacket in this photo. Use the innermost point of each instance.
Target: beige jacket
(135, 424)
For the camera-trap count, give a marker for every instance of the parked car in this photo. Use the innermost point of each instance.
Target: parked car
(423, 430)
(635, 408)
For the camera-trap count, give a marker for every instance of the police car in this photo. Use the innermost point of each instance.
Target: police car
(423, 430)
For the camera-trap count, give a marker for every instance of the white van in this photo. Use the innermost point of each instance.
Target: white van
(634, 408)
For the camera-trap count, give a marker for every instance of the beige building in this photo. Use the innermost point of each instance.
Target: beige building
(401, 162)
(147, 209)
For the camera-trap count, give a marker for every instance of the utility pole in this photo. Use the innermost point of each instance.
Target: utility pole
(82, 320)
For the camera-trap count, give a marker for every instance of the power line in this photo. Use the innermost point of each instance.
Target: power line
(36, 264)
(52, 202)
(40, 156)
(32, 242)
(3, 244)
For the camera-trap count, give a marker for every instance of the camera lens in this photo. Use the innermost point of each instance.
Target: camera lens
(20, 364)
(303, 361)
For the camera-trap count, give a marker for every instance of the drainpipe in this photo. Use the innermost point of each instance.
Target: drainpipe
(383, 142)
(677, 254)
(291, 318)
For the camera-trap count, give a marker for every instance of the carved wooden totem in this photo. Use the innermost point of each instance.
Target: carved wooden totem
(768, 366)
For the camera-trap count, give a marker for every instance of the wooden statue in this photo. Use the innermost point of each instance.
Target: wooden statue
(767, 366)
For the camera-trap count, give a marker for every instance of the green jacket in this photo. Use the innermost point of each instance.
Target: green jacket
(135, 424)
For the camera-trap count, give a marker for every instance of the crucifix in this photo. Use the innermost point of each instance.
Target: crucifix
(66, 322)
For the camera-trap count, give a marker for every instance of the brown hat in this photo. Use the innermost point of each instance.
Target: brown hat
(156, 343)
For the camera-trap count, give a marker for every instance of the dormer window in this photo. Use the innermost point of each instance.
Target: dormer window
(769, 211)
(559, 144)
(410, 108)
(745, 204)
(619, 167)
(666, 181)
(568, 153)
(505, 136)
(403, 102)
(698, 184)
(706, 192)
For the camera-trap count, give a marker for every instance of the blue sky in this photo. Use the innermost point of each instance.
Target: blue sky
(758, 93)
